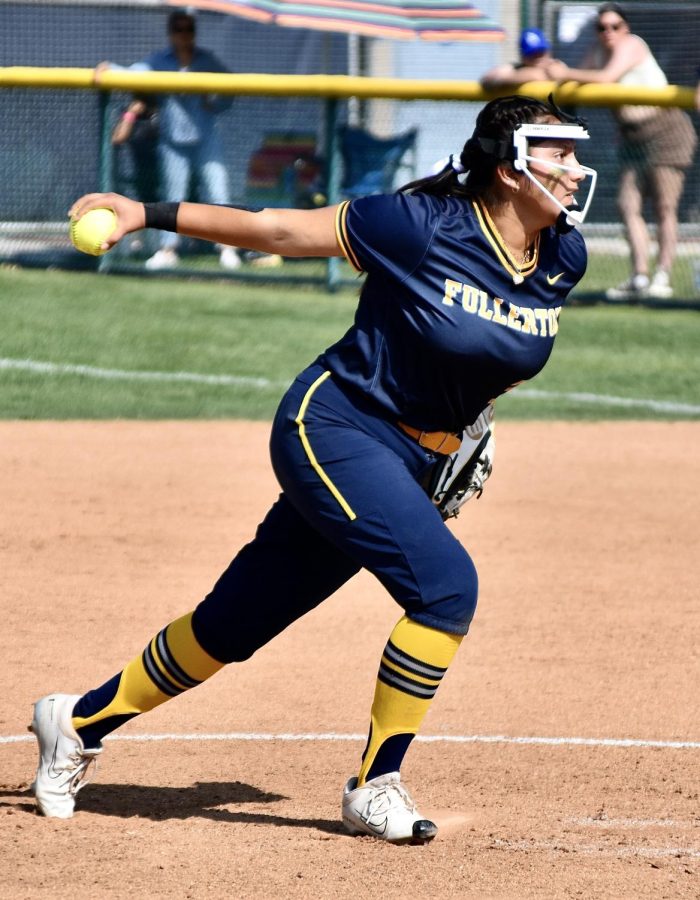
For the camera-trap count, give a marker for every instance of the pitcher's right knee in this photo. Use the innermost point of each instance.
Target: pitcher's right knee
(449, 602)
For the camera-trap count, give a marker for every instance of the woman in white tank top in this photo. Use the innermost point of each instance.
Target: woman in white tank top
(657, 147)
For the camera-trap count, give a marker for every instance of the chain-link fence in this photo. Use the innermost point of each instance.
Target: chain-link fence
(277, 149)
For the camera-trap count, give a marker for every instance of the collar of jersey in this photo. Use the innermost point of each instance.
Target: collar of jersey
(505, 257)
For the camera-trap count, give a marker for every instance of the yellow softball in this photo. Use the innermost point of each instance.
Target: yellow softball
(90, 231)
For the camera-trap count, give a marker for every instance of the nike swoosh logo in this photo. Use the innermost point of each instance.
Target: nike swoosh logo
(378, 827)
(552, 279)
(52, 771)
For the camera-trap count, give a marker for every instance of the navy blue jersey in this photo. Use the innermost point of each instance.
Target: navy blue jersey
(442, 328)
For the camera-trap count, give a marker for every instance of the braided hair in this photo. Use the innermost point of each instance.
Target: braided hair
(490, 145)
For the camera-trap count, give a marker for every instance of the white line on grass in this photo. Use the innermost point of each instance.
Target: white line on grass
(663, 406)
(47, 368)
(426, 738)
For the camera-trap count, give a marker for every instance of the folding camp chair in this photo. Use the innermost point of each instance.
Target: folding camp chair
(371, 163)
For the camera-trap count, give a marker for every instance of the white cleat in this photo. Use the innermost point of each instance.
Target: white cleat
(383, 808)
(63, 760)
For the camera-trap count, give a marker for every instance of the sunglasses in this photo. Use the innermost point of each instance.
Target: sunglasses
(183, 29)
(612, 27)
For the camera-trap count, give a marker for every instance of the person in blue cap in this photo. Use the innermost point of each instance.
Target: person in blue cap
(535, 55)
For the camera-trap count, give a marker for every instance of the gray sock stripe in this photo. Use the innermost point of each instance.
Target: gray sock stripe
(156, 675)
(407, 685)
(411, 664)
(174, 670)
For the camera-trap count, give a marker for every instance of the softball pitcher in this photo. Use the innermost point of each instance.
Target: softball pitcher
(467, 272)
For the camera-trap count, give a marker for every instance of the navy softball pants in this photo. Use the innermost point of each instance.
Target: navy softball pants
(351, 498)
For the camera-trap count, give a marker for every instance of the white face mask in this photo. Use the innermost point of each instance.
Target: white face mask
(552, 132)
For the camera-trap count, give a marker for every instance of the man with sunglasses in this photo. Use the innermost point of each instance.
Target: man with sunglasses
(656, 149)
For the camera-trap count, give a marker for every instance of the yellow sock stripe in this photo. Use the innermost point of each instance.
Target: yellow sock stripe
(187, 652)
(403, 693)
(412, 664)
(172, 663)
(159, 673)
(399, 682)
(136, 693)
(310, 453)
(391, 666)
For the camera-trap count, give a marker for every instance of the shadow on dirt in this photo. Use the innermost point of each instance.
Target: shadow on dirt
(200, 800)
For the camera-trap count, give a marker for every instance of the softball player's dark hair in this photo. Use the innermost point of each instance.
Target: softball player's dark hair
(490, 145)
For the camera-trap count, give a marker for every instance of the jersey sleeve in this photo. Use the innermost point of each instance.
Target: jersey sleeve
(386, 233)
(574, 255)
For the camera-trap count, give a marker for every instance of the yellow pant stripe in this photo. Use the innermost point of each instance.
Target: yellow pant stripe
(310, 453)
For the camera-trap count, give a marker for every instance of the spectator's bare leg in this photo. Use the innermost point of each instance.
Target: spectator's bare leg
(629, 202)
(666, 187)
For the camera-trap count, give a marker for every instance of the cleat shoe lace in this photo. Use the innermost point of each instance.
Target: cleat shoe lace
(83, 767)
(385, 799)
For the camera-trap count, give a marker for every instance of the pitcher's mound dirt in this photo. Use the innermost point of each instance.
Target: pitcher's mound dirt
(588, 629)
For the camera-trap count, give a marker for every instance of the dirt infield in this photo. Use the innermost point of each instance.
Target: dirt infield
(588, 627)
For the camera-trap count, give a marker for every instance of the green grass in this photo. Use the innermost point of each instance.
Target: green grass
(271, 332)
(626, 352)
(606, 270)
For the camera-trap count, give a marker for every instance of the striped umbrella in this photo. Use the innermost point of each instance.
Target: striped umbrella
(427, 20)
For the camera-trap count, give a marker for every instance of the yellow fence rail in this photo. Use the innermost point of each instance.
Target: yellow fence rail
(335, 86)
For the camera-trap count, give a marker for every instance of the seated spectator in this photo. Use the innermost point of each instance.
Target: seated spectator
(535, 55)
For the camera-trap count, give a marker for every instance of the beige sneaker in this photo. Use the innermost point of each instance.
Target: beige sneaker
(634, 288)
(660, 286)
(229, 259)
(264, 260)
(384, 809)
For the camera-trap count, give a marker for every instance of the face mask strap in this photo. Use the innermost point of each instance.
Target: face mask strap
(573, 217)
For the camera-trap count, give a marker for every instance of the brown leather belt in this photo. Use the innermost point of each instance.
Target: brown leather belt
(444, 442)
